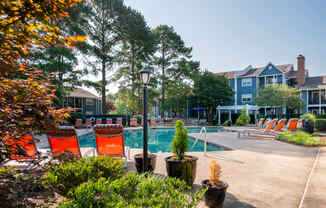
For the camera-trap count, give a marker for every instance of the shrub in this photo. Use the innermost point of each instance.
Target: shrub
(300, 138)
(309, 116)
(321, 124)
(132, 190)
(227, 123)
(180, 142)
(67, 175)
(243, 119)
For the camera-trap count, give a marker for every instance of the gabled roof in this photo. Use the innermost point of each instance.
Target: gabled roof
(82, 94)
(314, 82)
(255, 71)
(294, 74)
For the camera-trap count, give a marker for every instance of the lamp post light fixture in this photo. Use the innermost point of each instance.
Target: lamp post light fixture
(144, 77)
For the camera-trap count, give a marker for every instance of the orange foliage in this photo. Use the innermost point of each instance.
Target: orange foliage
(25, 94)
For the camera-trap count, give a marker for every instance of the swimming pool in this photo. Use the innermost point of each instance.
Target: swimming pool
(159, 140)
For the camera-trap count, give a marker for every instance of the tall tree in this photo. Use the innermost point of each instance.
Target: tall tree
(287, 97)
(137, 49)
(62, 60)
(170, 48)
(210, 91)
(104, 32)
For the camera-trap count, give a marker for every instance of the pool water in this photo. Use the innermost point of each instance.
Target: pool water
(159, 140)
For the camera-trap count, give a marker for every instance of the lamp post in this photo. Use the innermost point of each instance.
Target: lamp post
(144, 77)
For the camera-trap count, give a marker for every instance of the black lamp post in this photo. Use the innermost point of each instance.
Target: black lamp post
(144, 77)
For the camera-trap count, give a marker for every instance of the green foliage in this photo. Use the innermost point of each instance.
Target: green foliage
(309, 116)
(132, 190)
(227, 123)
(300, 138)
(243, 119)
(68, 175)
(211, 90)
(321, 124)
(180, 142)
(286, 96)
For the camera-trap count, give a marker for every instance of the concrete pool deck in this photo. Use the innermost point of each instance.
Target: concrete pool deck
(263, 173)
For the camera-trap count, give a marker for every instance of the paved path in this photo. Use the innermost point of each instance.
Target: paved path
(261, 173)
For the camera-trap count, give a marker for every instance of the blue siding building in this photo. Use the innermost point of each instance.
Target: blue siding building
(246, 82)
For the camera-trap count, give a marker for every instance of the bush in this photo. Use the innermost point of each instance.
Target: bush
(321, 124)
(132, 190)
(309, 116)
(227, 123)
(243, 119)
(300, 138)
(180, 142)
(67, 175)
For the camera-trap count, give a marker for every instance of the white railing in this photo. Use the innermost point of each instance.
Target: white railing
(202, 131)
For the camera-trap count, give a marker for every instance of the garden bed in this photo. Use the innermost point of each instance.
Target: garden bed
(302, 138)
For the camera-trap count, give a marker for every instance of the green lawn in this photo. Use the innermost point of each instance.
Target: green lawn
(301, 138)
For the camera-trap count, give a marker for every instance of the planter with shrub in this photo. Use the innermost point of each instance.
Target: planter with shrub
(216, 189)
(180, 165)
(139, 162)
(309, 116)
(243, 119)
(308, 125)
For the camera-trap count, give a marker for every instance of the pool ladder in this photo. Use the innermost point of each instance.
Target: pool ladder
(203, 132)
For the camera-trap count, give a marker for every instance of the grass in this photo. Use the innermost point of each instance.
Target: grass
(301, 138)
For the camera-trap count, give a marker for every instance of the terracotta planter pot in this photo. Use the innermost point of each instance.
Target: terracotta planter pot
(182, 169)
(139, 162)
(215, 195)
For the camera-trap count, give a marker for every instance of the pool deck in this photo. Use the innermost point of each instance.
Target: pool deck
(262, 173)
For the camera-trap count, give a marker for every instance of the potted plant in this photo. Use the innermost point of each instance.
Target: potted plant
(216, 189)
(139, 162)
(180, 165)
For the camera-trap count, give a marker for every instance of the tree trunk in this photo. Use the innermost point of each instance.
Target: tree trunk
(133, 77)
(103, 88)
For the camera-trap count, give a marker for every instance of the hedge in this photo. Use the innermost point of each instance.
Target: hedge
(321, 124)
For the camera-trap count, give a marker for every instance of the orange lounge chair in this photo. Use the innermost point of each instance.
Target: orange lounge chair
(133, 122)
(22, 149)
(299, 124)
(109, 140)
(260, 122)
(153, 122)
(260, 132)
(78, 123)
(64, 140)
(279, 126)
(88, 123)
(98, 121)
(292, 124)
(119, 121)
(266, 122)
(108, 121)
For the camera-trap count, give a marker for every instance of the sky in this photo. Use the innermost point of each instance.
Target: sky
(232, 34)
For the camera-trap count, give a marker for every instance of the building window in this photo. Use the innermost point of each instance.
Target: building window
(271, 80)
(246, 82)
(89, 101)
(246, 98)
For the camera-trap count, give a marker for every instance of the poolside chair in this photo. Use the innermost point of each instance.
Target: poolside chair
(299, 124)
(119, 121)
(279, 126)
(63, 140)
(261, 132)
(260, 122)
(133, 122)
(153, 122)
(78, 123)
(98, 121)
(22, 149)
(267, 121)
(88, 123)
(109, 140)
(292, 124)
(109, 121)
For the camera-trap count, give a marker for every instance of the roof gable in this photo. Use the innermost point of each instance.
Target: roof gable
(82, 93)
(270, 69)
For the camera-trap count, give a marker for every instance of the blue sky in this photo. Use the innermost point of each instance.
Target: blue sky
(231, 34)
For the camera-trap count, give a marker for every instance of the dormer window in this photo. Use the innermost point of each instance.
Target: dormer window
(246, 82)
(270, 67)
